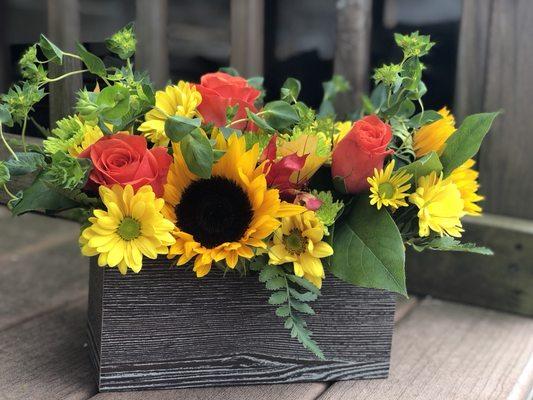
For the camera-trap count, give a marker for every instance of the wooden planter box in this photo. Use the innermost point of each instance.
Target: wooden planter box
(164, 328)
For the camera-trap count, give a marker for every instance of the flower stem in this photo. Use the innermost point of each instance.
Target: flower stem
(13, 197)
(24, 125)
(7, 144)
(73, 56)
(81, 71)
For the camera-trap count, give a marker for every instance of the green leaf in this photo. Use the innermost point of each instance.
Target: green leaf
(123, 42)
(94, 64)
(369, 250)
(40, 197)
(267, 273)
(198, 153)
(291, 90)
(424, 118)
(423, 166)
(4, 174)
(229, 70)
(302, 307)
(275, 283)
(280, 115)
(178, 127)
(114, 102)
(260, 122)
(5, 115)
(25, 164)
(447, 243)
(466, 140)
(307, 296)
(283, 311)
(277, 298)
(50, 50)
(304, 283)
(256, 82)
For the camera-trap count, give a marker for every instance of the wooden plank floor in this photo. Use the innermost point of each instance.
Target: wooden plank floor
(441, 350)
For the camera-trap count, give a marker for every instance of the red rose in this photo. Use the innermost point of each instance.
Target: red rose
(220, 91)
(126, 160)
(359, 152)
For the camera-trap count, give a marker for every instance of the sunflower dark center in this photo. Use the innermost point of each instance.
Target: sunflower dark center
(214, 211)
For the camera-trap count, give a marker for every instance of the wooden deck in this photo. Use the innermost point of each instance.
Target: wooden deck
(441, 350)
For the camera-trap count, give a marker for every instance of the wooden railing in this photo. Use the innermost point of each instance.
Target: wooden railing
(495, 58)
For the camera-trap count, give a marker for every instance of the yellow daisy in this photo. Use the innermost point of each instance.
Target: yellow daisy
(440, 206)
(389, 189)
(91, 134)
(132, 227)
(226, 216)
(299, 241)
(465, 178)
(181, 99)
(72, 136)
(432, 137)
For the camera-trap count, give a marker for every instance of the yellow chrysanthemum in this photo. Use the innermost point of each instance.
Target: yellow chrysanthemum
(226, 216)
(465, 178)
(388, 189)
(91, 134)
(432, 137)
(132, 227)
(440, 206)
(299, 241)
(181, 99)
(341, 130)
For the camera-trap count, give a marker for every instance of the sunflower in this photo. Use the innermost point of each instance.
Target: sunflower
(433, 136)
(465, 178)
(299, 241)
(132, 227)
(225, 216)
(440, 206)
(72, 136)
(389, 189)
(181, 99)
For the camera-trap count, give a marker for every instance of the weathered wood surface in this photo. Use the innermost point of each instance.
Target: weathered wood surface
(152, 43)
(234, 337)
(494, 72)
(503, 281)
(449, 351)
(64, 31)
(352, 52)
(247, 36)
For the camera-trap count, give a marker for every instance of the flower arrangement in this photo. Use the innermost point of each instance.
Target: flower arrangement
(209, 175)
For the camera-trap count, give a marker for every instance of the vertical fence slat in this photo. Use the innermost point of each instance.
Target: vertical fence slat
(152, 44)
(64, 30)
(4, 47)
(352, 51)
(247, 36)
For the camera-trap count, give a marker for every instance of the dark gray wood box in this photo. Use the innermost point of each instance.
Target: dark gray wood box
(165, 328)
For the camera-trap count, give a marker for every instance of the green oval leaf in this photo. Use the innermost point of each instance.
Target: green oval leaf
(94, 64)
(50, 50)
(280, 115)
(177, 127)
(198, 153)
(25, 163)
(369, 250)
(423, 166)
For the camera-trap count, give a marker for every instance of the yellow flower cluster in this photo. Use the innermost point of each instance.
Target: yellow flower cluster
(441, 202)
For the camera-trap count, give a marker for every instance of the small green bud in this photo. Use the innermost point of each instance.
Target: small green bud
(388, 74)
(414, 45)
(123, 42)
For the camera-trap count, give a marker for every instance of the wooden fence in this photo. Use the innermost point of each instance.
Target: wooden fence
(495, 58)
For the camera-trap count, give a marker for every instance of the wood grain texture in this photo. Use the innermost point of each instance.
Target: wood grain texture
(352, 50)
(502, 281)
(494, 72)
(64, 31)
(449, 351)
(152, 41)
(41, 267)
(45, 358)
(300, 391)
(247, 36)
(165, 328)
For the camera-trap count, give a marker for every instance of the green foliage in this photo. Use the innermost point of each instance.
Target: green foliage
(198, 153)
(50, 50)
(252, 138)
(19, 100)
(291, 296)
(280, 115)
(178, 127)
(388, 74)
(4, 174)
(414, 44)
(260, 122)
(5, 115)
(423, 166)
(94, 64)
(86, 105)
(291, 90)
(330, 209)
(230, 71)
(448, 243)
(466, 140)
(123, 42)
(67, 133)
(67, 172)
(113, 102)
(29, 66)
(25, 163)
(337, 84)
(369, 250)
